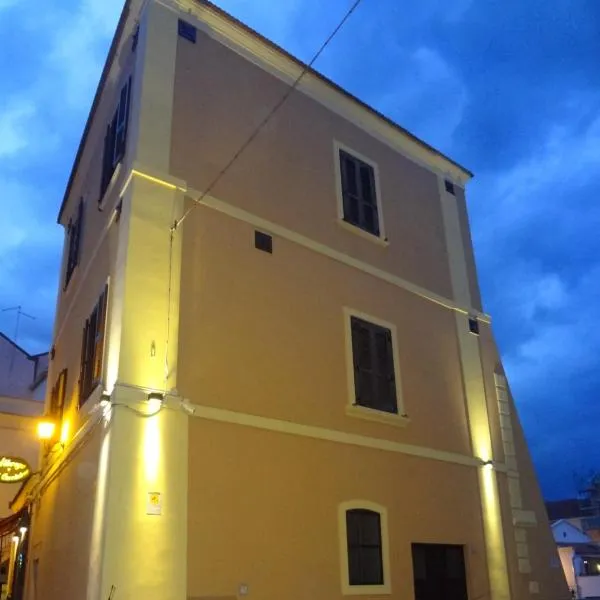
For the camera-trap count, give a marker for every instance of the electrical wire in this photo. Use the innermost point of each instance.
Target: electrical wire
(269, 116)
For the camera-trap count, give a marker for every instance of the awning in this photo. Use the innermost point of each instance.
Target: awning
(11, 523)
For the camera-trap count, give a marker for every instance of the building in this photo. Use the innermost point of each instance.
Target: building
(286, 387)
(580, 559)
(22, 391)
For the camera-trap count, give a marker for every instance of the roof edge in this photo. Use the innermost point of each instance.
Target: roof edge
(338, 88)
(103, 77)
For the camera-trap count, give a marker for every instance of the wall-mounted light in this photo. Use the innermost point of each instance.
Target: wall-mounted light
(46, 429)
(16, 539)
(488, 464)
(155, 401)
(104, 399)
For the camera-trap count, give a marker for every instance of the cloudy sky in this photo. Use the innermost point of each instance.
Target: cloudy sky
(511, 89)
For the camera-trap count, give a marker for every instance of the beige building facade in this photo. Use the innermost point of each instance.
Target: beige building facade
(285, 386)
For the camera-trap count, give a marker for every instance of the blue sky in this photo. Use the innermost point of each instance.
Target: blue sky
(510, 89)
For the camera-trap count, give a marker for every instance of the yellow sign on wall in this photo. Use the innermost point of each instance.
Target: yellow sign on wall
(13, 470)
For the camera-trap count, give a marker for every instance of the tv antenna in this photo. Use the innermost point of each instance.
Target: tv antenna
(20, 313)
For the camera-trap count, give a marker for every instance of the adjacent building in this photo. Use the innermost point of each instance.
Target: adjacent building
(580, 559)
(281, 385)
(22, 391)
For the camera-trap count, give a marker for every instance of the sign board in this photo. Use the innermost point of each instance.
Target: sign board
(154, 504)
(13, 470)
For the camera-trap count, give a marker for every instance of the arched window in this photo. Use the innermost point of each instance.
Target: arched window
(364, 548)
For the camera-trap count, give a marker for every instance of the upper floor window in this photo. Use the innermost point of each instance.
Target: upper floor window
(359, 193)
(373, 362)
(92, 349)
(57, 397)
(116, 138)
(364, 546)
(74, 231)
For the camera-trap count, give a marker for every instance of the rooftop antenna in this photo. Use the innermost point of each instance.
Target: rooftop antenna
(20, 313)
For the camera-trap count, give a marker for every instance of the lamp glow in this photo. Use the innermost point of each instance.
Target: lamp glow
(46, 429)
(155, 401)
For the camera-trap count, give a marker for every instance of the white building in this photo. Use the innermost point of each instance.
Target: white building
(580, 558)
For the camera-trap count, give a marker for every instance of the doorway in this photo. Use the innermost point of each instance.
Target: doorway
(439, 572)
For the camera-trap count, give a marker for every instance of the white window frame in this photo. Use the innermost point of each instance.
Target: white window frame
(381, 238)
(352, 408)
(364, 590)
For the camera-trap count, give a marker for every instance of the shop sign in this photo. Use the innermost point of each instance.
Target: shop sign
(13, 470)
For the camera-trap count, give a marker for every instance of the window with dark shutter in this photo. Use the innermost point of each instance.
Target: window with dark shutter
(57, 397)
(373, 361)
(365, 555)
(74, 243)
(115, 140)
(92, 349)
(359, 194)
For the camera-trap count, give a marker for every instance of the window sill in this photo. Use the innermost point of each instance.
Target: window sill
(367, 590)
(379, 416)
(92, 400)
(111, 185)
(376, 239)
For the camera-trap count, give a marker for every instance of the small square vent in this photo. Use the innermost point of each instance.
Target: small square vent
(263, 241)
(187, 31)
(449, 187)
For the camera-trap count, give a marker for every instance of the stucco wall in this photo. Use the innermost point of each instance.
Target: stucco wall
(288, 175)
(61, 536)
(264, 512)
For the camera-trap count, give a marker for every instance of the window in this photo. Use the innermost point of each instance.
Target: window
(591, 566)
(57, 397)
(359, 193)
(439, 572)
(449, 186)
(365, 558)
(92, 349)
(116, 138)
(74, 242)
(364, 548)
(373, 363)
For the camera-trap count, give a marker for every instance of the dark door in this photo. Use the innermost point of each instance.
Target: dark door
(439, 572)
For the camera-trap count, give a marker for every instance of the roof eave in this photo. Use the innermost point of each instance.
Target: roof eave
(105, 72)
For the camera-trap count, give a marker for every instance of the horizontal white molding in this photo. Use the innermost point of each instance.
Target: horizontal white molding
(297, 238)
(329, 435)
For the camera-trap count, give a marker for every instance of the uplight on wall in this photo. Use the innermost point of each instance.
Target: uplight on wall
(46, 430)
(155, 401)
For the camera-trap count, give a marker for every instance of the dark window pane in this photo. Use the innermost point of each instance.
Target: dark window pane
(371, 565)
(351, 209)
(370, 531)
(354, 566)
(365, 559)
(348, 174)
(366, 184)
